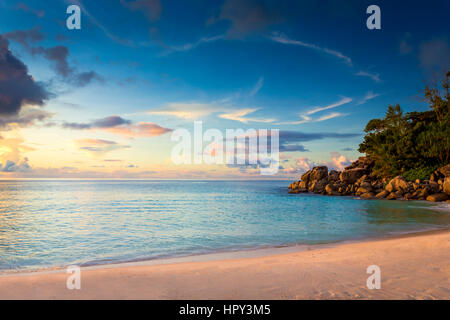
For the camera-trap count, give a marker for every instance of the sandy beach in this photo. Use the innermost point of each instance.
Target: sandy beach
(412, 267)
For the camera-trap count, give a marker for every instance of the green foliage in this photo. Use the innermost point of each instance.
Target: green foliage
(419, 173)
(411, 143)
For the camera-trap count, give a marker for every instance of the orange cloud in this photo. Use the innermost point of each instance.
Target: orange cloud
(142, 129)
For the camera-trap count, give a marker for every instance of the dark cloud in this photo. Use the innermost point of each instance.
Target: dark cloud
(151, 8)
(98, 146)
(25, 37)
(108, 122)
(25, 118)
(294, 147)
(435, 55)
(247, 17)
(290, 141)
(58, 56)
(38, 13)
(347, 149)
(84, 78)
(11, 166)
(120, 126)
(297, 136)
(17, 87)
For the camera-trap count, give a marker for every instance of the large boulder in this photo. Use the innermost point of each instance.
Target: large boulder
(318, 186)
(332, 190)
(305, 176)
(367, 195)
(381, 195)
(437, 197)
(318, 173)
(398, 184)
(333, 176)
(446, 186)
(363, 163)
(350, 176)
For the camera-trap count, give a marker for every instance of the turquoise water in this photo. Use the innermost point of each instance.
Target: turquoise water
(57, 223)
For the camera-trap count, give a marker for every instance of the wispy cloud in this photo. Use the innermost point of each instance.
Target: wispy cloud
(330, 116)
(306, 117)
(369, 96)
(281, 38)
(98, 147)
(341, 102)
(109, 34)
(187, 110)
(190, 45)
(257, 87)
(240, 115)
(374, 76)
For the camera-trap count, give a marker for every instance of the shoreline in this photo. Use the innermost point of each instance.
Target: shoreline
(243, 252)
(248, 253)
(413, 266)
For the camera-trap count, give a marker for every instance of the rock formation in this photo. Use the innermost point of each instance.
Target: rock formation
(358, 180)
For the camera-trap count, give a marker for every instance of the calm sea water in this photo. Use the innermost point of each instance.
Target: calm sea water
(57, 223)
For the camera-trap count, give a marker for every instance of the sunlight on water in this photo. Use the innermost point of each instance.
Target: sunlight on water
(56, 223)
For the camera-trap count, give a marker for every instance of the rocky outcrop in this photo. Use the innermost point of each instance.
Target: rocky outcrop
(358, 180)
(446, 186)
(350, 176)
(437, 197)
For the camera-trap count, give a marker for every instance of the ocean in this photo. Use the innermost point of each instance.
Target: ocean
(55, 223)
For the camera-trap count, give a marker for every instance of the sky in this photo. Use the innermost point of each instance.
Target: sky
(103, 101)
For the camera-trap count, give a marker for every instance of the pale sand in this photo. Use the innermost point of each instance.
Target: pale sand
(413, 267)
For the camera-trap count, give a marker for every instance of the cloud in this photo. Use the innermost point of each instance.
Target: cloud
(189, 46)
(247, 17)
(304, 164)
(339, 103)
(110, 35)
(58, 56)
(150, 8)
(120, 126)
(187, 110)
(435, 55)
(239, 115)
(139, 130)
(374, 76)
(26, 117)
(257, 87)
(38, 13)
(299, 136)
(330, 116)
(98, 147)
(338, 161)
(306, 117)
(25, 37)
(281, 38)
(292, 141)
(11, 166)
(17, 87)
(369, 96)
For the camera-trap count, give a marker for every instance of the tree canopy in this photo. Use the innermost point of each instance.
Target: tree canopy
(412, 142)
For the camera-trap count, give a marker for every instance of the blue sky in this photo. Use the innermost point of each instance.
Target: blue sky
(299, 66)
